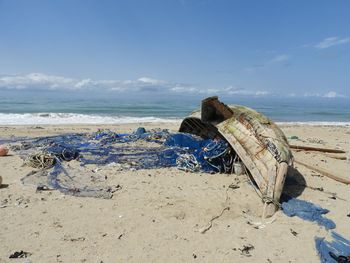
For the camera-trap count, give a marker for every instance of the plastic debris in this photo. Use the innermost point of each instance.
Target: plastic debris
(307, 211)
(20, 254)
(336, 250)
(293, 137)
(3, 150)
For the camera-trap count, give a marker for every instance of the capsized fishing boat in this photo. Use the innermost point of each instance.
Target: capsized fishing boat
(256, 140)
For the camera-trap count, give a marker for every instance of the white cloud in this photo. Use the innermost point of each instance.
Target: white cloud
(261, 93)
(333, 94)
(83, 83)
(40, 81)
(230, 90)
(332, 41)
(145, 85)
(151, 81)
(35, 80)
(279, 59)
(308, 94)
(329, 94)
(255, 93)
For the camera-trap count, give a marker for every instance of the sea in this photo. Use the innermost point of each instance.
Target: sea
(24, 107)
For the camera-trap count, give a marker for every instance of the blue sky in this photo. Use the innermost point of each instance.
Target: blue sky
(248, 48)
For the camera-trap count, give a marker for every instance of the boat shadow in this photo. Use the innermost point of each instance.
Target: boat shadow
(294, 185)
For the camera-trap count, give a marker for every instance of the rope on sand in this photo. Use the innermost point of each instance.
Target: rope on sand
(210, 224)
(40, 160)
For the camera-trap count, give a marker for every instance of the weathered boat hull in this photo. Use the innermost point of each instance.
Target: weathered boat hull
(259, 143)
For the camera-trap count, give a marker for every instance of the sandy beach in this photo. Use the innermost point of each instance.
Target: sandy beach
(159, 215)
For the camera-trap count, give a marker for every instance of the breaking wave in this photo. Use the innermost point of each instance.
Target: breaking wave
(74, 118)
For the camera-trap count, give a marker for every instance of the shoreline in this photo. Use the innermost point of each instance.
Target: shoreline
(7, 119)
(178, 121)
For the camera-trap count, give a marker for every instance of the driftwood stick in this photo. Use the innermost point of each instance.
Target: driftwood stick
(316, 149)
(330, 155)
(334, 156)
(323, 172)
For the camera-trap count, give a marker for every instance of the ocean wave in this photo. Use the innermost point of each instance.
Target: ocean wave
(74, 118)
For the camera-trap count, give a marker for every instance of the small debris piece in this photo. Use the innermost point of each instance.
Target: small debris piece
(73, 239)
(3, 151)
(233, 186)
(43, 188)
(114, 188)
(316, 188)
(246, 250)
(77, 239)
(348, 215)
(194, 256)
(20, 254)
(315, 140)
(294, 233)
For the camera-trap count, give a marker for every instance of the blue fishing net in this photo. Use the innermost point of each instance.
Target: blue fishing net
(139, 150)
(336, 250)
(307, 211)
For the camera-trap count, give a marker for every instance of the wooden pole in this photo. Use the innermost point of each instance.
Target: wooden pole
(325, 173)
(316, 149)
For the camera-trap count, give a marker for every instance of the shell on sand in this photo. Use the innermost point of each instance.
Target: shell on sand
(3, 151)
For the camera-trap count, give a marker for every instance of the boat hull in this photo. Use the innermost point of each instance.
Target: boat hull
(258, 141)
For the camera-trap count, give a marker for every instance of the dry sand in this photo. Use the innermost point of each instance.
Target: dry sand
(158, 215)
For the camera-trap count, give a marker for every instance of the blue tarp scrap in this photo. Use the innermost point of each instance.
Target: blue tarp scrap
(307, 211)
(336, 250)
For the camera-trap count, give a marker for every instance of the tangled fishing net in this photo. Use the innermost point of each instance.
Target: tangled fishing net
(142, 149)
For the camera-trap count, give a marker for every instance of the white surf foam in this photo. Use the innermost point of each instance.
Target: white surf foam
(73, 118)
